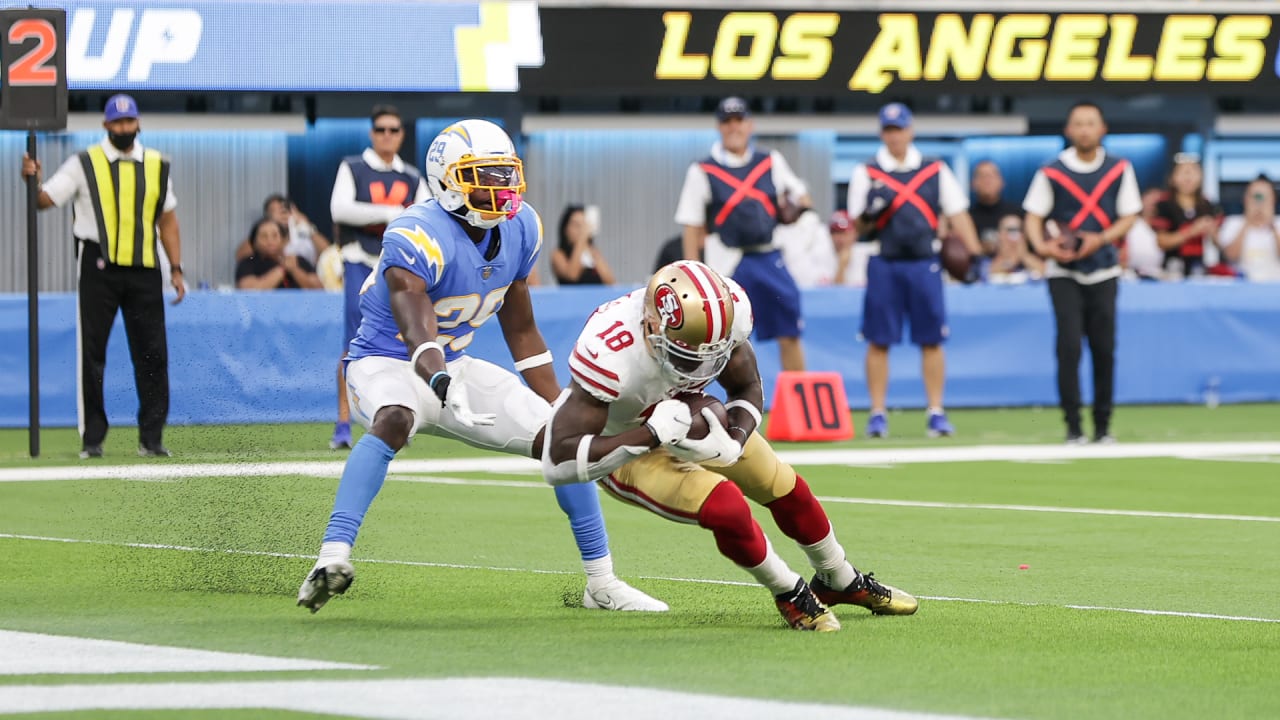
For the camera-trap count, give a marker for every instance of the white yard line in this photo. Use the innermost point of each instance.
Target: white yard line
(871, 457)
(457, 566)
(425, 699)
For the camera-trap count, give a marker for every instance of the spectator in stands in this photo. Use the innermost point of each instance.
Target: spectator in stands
(851, 255)
(269, 267)
(807, 250)
(1186, 223)
(371, 190)
(1092, 196)
(1252, 241)
(897, 198)
(1140, 250)
(673, 251)
(304, 239)
(577, 260)
(1013, 261)
(988, 207)
(741, 193)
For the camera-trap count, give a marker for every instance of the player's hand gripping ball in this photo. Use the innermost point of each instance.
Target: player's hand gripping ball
(696, 402)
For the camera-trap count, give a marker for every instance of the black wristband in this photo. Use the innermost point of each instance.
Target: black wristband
(440, 385)
(177, 267)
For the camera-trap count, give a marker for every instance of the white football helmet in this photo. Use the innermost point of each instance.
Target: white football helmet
(688, 319)
(471, 156)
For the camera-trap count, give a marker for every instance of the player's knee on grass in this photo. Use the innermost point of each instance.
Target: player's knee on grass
(392, 425)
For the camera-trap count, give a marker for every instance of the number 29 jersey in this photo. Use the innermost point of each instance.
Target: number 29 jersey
(466, 281)
(611, 359)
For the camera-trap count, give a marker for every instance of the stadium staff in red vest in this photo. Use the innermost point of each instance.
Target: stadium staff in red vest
(741, 193)
(371, 190)
(1092, 198)
(897, 199)
(122, 202)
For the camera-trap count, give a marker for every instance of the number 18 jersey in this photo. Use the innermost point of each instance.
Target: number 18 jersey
(611, 359)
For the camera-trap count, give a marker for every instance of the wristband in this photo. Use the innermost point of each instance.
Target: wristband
(176, 268)
(746, 406)
(744, 432)
(533, 361)
(413, 359)
(439, 384)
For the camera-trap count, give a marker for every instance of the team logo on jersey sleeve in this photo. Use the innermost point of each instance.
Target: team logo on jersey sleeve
(667, 303)
(430, 249)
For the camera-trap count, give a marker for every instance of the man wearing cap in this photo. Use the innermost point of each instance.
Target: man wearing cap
(898, 199)
(741, 193)
(122, 203)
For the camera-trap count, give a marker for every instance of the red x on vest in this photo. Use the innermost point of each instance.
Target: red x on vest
(1088, 203)
(907, 193)
(743, 189)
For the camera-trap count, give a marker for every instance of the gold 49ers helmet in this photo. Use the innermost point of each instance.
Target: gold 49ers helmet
(688, 317)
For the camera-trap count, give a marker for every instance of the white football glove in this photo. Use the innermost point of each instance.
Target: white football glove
(717, 449)
(670, 421)
(456, 401)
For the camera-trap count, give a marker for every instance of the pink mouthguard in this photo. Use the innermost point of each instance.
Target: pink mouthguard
(509, 201)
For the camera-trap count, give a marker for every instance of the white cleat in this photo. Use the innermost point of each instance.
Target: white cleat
(617, 595)
(324, 582)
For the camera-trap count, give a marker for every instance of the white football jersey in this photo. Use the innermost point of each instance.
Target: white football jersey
(611, 359)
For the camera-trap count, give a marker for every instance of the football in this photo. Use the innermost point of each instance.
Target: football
(955, 257)
(696, 401)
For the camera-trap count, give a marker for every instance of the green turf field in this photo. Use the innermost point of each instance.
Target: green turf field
(472, 575)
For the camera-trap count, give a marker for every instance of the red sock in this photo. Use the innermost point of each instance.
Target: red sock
(800, 515)
(726, 514)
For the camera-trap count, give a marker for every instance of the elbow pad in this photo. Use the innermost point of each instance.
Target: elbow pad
(581, 469)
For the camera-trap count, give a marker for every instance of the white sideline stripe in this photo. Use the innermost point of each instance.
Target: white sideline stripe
(439, 480)
(534, 571)
(39, 654)
(519, 465)
(424, 699)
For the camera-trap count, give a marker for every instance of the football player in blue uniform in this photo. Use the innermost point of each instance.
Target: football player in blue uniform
(447, 266)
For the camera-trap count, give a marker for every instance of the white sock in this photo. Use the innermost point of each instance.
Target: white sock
(774, 574)
(828, 558)
(934, 411)
(332, 551)
(599, 571)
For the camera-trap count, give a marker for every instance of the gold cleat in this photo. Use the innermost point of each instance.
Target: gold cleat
(869, 593)
(803, 611)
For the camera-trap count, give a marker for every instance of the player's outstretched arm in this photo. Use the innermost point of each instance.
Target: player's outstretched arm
(416, 318)
(577, 452)
(528, 349)
(741, 382)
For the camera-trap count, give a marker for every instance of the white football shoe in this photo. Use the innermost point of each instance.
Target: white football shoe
(617, 595)
(323, 582)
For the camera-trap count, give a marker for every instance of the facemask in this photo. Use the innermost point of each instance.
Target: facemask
(122, 141)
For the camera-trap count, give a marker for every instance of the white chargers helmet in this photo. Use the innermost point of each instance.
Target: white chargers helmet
(473, 172)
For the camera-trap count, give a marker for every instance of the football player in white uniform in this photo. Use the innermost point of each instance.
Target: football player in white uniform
(618, 423)
(448, 265)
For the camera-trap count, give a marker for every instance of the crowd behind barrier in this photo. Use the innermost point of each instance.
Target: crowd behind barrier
(239, 357)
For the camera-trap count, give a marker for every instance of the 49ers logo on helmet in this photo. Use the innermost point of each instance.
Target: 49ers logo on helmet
(667, 302)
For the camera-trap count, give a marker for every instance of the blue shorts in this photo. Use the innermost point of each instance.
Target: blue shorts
(353, 277)
(898, 288)
(775, 299)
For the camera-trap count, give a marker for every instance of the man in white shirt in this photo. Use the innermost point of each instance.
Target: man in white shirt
(122, 203)
(740, 194)
(899, 199)
(1093, 200)
(1251, 241)
(371, 190)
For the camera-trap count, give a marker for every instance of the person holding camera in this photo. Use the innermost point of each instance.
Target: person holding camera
(898, 198)
(1251, 241)
(1092, 199)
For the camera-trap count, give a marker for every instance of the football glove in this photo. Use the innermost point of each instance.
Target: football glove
(717, 449)
(669, 422)
(455, 398)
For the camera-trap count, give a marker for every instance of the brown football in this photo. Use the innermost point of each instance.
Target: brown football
(955, 257)
(696, 401)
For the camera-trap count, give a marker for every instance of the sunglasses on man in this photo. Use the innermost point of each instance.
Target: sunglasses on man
(384, 129)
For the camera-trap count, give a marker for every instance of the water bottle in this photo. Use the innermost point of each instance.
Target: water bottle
(1212, 395)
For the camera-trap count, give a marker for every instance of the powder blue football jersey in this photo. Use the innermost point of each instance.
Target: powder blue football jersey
(466, 281)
